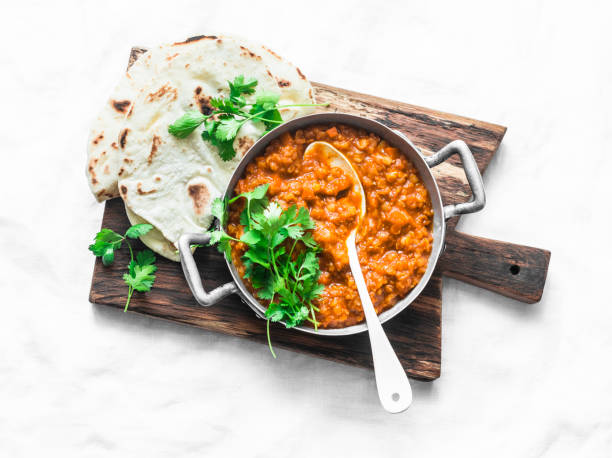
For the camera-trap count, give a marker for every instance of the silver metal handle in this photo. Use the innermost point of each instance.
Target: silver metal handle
(190, 269)
(478, 200)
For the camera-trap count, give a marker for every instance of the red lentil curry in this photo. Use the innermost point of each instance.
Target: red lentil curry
(394, 239)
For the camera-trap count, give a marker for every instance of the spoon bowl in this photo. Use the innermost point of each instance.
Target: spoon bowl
(392, 383)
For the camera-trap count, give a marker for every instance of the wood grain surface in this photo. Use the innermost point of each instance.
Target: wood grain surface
(415, 334)
(516, 271)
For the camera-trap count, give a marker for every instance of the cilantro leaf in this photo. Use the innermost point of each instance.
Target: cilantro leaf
(228, 129)
(222, 240)
(186, 124)
(272, 213)
(140, 275)
(242, 85)
(303, 218)
(258, 193)
(105, 244)
(223, 105)
(142, 278)
(225, 148)
(138, 230)
(222, 125)
(265, 101)
(287, 280)
(218, 210)
(251, 237)
(274, 312)
(109, 256)
(145, 258)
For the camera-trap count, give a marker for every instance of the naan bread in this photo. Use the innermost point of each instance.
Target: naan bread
(103, 142)
(154, 239)
(171, 182)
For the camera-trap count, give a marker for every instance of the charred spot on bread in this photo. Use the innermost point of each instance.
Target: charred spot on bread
(248, 53)
(203, 101)
(123, 137)
(91, 168)
(244, 144)
(141, 192)
(272, 52)
(196, 38)
(200, 195)
(154, 147)
(120, 105)
(161, 92)
(98, 138)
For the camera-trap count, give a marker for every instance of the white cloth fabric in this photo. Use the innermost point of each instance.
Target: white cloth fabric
(517, 380)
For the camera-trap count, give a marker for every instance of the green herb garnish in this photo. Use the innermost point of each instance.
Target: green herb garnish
(221, 126)
(140, 275)
(281, 259)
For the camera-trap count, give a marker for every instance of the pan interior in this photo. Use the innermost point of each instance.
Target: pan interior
(395, 139)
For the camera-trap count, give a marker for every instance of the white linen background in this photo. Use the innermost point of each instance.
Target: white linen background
(517, 380)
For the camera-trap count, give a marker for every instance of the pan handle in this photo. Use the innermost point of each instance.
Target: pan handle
(477, 201)
(190, 269)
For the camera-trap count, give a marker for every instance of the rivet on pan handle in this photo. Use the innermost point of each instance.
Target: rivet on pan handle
(192, 275)
(477, 201)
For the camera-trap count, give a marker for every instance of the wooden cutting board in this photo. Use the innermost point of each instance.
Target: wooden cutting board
(414, 334)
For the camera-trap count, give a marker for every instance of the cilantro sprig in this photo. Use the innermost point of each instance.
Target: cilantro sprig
(281, 259)
(141, 269)
(228, 115)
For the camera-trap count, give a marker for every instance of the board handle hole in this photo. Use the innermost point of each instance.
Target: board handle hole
(395, 397)
(514, 269)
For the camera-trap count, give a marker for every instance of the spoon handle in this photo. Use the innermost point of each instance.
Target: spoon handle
(393, 386)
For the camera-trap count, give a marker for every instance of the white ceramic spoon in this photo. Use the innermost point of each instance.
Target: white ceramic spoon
(393, 386)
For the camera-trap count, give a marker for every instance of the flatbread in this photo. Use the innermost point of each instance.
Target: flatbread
(103, 142)
(154, 239)
(171, 182)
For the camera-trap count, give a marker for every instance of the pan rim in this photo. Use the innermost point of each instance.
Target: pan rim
(398, 140)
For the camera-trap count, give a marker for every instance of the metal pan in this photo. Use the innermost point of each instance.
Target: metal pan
(394, 138)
